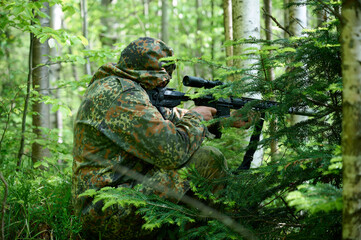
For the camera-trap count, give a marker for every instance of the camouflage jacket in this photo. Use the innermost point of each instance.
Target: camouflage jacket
(117, 125)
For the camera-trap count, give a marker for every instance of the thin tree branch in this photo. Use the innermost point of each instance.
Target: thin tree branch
(289, 209)
(8, 118)
(276, 22)
(6, 127)
(338, 15)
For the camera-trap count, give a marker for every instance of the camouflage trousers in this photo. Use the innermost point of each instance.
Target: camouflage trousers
(122, 223)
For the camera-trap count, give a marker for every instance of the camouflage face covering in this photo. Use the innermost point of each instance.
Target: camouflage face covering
(117, 125)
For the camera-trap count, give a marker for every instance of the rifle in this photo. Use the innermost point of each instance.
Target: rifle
(169, 98)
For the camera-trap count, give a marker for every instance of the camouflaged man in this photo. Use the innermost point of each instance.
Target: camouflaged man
(117, 126)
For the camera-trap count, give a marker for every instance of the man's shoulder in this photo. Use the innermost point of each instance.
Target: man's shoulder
(127, 84)
(112, 85)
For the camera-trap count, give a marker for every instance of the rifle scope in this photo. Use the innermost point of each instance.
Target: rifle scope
(190, 81)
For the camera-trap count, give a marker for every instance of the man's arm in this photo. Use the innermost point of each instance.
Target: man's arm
(136, 126)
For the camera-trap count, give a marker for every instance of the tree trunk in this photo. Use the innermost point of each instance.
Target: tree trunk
(298, 22)
(165, 20)
(56, 24)
(270, 72)
(228, 31)
(351, 123)
(246, 24)
(146, 16)
(198, 49)
(40, 76)
(213, 43)
(84, 14)
(286, 18)
(267, 19)
(108, 35)
(297, 18)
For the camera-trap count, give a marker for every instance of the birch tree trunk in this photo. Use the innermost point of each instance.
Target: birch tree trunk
(270, 71)
(351, 123)
(246, 24)
(40, 76)
(297, 22)
(56, 24)
(297, 18)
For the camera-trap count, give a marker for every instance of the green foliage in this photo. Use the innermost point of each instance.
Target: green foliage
(155, 210)
(120, 196)
(212, 230)
(316, 198)
(39, 207)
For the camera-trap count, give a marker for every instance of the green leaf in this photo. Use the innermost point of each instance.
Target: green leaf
(43, 38)
(41, 163)
(43, 15)
(37, 164)
(17, 10)
(88, 193)
(55, 107)
(66, 110)
(84, 41)
(109, 204)
(286, 49)
(51, 42)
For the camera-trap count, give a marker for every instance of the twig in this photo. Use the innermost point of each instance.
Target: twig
(289, 209)
(4, 207)
(277, 23)
(49, 63)
(8, 118)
